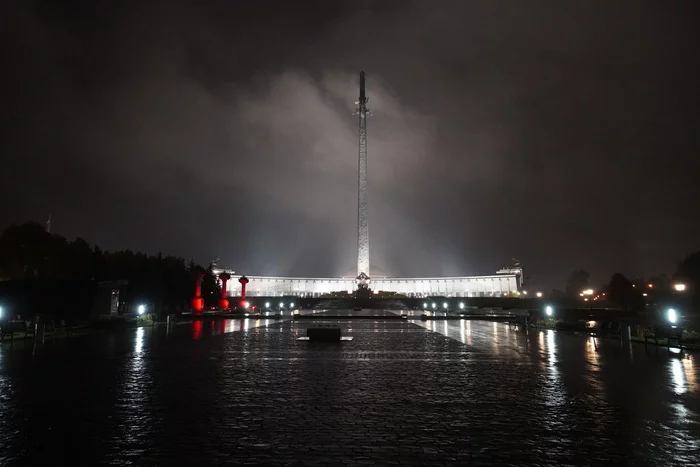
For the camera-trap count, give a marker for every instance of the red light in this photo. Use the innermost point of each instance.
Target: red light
(197, 329)
(198, 304)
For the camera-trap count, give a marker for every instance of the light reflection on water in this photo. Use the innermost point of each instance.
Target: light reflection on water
(678, 378)
(225, 326)
(592, 369)
(691, 376)
(161, 396)
(134, 411)
(138, 345)
(554, 392)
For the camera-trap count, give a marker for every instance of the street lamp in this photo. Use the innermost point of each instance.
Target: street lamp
(539, 294)
(444, 305)
(461, 305)
(434, 305)
(587, 293)
(549, 310)
(671, 315)
(141, 309)
(425, 305)
(679, 287)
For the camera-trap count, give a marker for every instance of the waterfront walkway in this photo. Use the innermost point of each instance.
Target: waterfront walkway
(413, 392)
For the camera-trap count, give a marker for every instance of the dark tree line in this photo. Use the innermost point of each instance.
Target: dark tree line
(29, 253)
(635, 294)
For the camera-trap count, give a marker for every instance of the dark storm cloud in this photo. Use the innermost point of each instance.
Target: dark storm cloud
(560, 133)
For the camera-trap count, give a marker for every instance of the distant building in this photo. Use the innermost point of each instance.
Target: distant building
(506, 282)
(502, 284)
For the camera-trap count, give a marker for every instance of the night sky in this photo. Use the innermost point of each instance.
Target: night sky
(562, 133)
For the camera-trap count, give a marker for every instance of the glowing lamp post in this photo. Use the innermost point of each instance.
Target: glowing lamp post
(223, 301)
(671, 315)
(198, 301)
(588, 293)
(679, 287)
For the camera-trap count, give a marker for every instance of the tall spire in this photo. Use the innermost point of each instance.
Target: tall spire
(362, 226)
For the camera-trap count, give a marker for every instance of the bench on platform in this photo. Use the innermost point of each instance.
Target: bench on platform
(9, 328)
(324, 334)
(670, 333)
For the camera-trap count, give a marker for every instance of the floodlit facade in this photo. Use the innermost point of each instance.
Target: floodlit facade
(498, 285)
(506, 282)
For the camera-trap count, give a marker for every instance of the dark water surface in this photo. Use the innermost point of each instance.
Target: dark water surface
(459, 392)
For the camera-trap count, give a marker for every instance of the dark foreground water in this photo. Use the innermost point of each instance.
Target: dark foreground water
(461, 392)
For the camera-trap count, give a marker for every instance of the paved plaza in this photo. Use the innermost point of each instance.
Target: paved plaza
(401, 392)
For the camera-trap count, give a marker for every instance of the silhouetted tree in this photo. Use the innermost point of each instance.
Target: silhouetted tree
(29, 252)
(621, 293)
(78, 261)
(576, 282)
(689, 269)
(211, 290)
(689, 273)
(660, 283)
(556, 294)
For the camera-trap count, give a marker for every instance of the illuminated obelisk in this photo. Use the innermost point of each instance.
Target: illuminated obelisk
(362, 227)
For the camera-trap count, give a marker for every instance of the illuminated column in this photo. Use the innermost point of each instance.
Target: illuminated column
(198, 301)
(244, 282)
(223, 301)
(362, 224)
